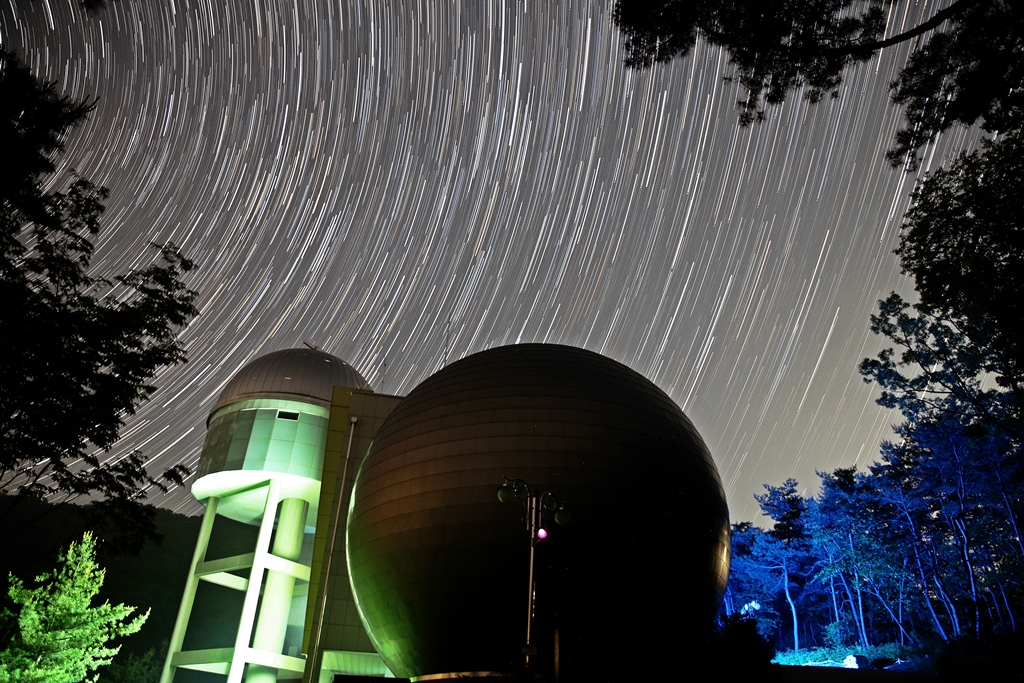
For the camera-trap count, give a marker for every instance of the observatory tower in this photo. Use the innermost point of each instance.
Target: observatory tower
(382, 546)
(277, 450)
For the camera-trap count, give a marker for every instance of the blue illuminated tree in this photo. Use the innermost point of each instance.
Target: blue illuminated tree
(751, 587)
(860, 555)
(783, 552)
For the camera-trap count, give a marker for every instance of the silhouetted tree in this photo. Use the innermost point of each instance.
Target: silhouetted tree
(737, 648)
(963, 243)
(969, 69)
(77, 351)
(939, 369)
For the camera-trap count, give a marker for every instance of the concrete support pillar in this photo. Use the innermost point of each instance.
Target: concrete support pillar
(278, 589)
(189, 596)
(252, 593)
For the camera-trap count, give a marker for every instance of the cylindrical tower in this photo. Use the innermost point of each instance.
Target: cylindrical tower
(262, 464)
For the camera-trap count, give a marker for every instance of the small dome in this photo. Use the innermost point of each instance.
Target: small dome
(307, 373)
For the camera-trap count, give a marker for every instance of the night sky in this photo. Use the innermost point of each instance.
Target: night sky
(357, 174)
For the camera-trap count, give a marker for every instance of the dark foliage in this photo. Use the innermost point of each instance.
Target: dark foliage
(999, 657)
(78, 350)
(737, 648)
(784, 505)
(33, 122)
(153, 578)
(135, 668)
(970, 70)
(967, 69)
(963, 243)
(958, 354)
(934, 365)
(776, 45)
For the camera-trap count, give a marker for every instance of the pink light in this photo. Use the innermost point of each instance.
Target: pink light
(542, 533)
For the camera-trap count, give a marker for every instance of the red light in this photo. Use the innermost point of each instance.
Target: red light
(542, 533)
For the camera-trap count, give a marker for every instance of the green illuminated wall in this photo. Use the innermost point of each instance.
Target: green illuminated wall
(337, 441)
(332, 620)
(270, 435)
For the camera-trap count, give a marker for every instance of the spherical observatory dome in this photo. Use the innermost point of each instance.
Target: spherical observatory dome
(439, 566)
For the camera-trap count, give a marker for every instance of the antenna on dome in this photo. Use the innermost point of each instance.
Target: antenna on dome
(312, 346)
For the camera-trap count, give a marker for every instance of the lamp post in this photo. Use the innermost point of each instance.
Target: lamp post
(536, 504)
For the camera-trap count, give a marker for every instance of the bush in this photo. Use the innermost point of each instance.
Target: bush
(135, 668)
(879, 656)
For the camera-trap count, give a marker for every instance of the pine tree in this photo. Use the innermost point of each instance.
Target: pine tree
(57, 636)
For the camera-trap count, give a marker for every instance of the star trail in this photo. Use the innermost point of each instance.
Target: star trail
(357, 174)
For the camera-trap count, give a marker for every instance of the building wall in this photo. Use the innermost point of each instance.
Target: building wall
(333, 622)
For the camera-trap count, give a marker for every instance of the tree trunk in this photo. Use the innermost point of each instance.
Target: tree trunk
(946, 601)
(835, 603)
(898, 620)
(860, 610)
(959, 523)
(1008, 506)
(856, 607)
(924, 577)
(862, 633)
(903, 585)
(1006, 603)
(792, 608)
(965, 555)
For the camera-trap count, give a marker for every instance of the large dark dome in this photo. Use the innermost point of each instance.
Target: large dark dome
(439, 565)
(305, 373)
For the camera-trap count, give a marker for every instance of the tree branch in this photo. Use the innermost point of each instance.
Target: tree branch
(953, 10)
(956, 8)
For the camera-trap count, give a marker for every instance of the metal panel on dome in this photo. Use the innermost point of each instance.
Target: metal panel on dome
(439, 566)
(309, 373)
